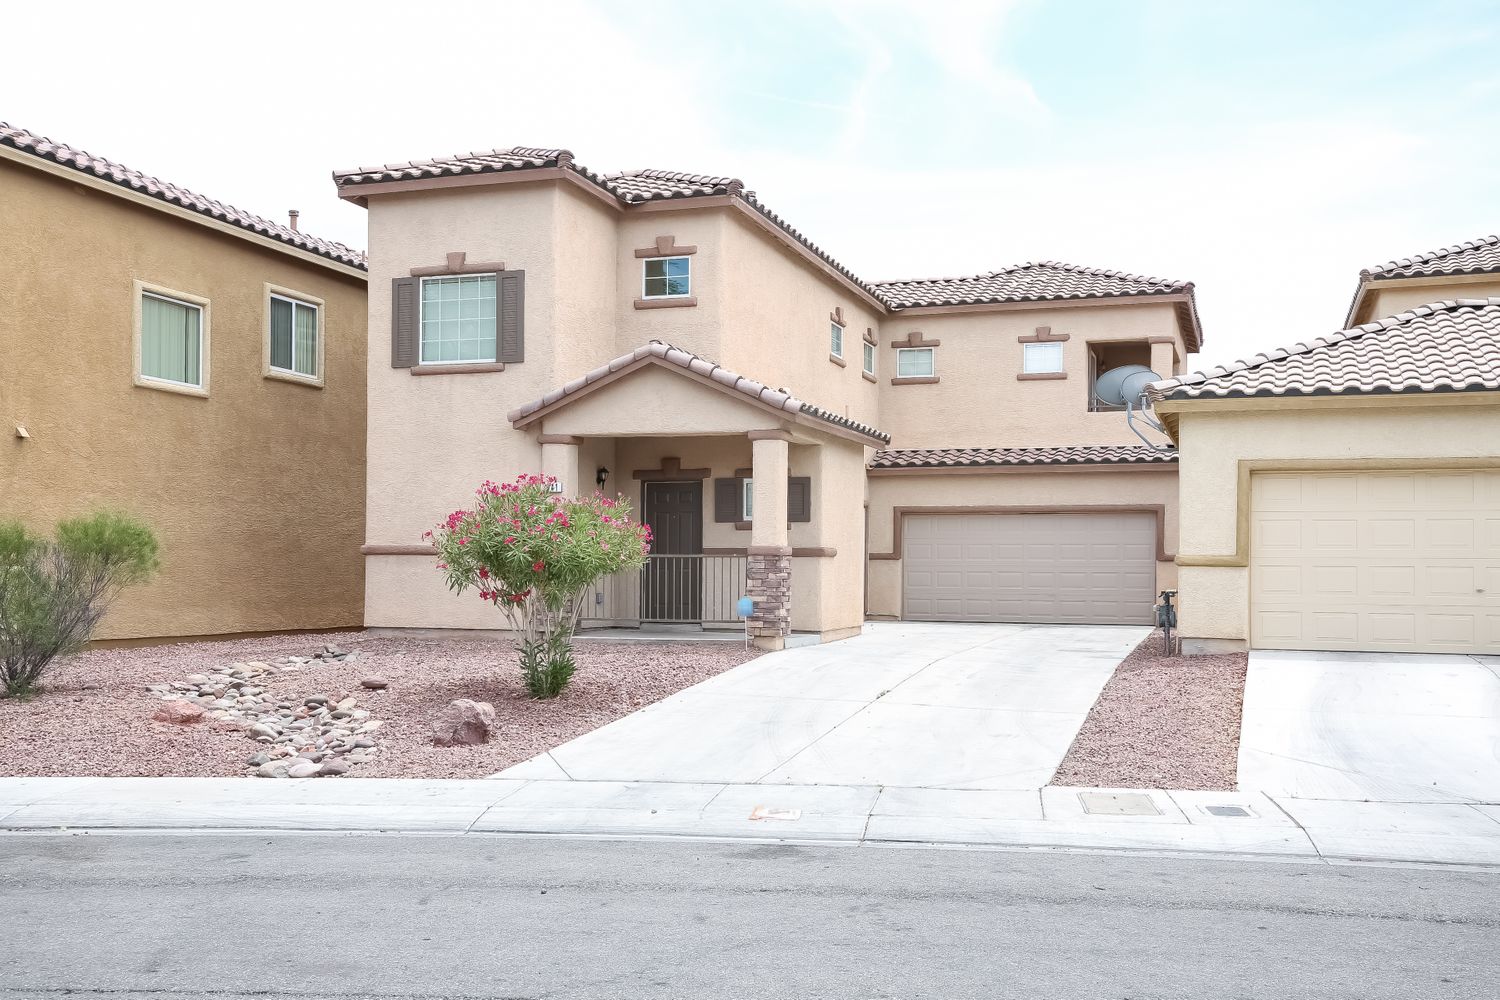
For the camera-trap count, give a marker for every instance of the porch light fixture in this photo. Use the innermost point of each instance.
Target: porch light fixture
(600, 476)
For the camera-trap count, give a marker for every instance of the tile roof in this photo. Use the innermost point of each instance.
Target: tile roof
(780, 399)
(98, 166)
(1448, 346)
(960, 458)
(1480, 256)
(1032, 282)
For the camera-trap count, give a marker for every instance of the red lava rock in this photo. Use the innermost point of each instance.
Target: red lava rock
(182, 713)
(464, 723)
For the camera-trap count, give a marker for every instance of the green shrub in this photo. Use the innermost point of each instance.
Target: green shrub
(53, 592)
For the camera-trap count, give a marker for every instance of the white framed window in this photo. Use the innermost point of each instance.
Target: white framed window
(914, 362)
(836, 340)
(869, 358)
(1041, 359)
(294, 336)
(666, 278)
(458, 319)
(747, 504)
(171, 340)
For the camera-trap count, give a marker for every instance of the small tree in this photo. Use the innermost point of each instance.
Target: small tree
(535, 555)
(53, 592)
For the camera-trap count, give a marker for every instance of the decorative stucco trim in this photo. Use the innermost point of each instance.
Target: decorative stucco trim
(898, 519)
(812, 552)
(1240, 557)
(1162, 340)
(771, 434)
(676, 302)
(916, 380)
(868, 377)
(870, 337)
(666, 246)
(1040, 376)
(671, 471)
(769, 550)
(559, 439)
(477, 368)
(1043, 335)
(457, 263)
(837, 315)
(916, 339)
(838, 360)
(387, 549)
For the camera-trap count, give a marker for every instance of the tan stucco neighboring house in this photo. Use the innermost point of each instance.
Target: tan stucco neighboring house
(193, 364)
(1344, 493)
(835, 448)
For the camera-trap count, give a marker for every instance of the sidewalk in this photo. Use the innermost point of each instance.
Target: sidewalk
(1236, 823)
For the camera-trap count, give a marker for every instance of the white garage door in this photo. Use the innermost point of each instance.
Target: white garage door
(1073, 568)
(1393, 561)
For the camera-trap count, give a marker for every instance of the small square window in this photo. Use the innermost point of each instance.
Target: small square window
(171, 341)
(294, 337)
(666, 278)
(914, 362)
(747, 505)
(836, 340)
(1040, 359)
(869, 359)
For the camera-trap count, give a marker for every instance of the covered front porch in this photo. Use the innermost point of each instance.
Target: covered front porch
(748, 494)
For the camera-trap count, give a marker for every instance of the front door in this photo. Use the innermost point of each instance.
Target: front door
(672, 583)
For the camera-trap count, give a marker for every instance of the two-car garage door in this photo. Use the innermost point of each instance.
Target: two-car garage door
(1394, 561)
(1030, 567)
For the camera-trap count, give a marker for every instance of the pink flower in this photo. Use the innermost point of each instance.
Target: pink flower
(538, 566)
(484, 574)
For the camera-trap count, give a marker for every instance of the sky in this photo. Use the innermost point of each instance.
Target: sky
(1264, 151)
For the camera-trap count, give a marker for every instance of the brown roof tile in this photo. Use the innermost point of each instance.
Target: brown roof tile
(1032, 282)
(1479, 256)
(780, 399)
(98, 166)
(962, 458)
(1448, 346)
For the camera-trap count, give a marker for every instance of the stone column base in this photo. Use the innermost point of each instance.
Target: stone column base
(768, 576)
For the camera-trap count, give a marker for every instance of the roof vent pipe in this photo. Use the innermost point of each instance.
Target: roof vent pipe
(291, 216)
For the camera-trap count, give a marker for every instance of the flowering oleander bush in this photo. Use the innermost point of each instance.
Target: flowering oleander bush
(535, 555)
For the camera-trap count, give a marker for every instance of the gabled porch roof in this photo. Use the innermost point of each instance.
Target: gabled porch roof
(779, 402)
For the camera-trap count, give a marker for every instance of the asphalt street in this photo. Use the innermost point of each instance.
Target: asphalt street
(438, 918)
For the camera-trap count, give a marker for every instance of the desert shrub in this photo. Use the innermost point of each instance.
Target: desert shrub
(53, 592)
(535, 555)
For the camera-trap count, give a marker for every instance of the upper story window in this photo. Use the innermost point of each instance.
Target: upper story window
(171, 340)
(836, 339)
(666, 278)
(1041, 359)
(914, 362)
(458, 319)
(747, 502)
(295, 337)
(869, 358)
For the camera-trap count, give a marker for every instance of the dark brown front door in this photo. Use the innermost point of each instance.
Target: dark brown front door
(672, 583)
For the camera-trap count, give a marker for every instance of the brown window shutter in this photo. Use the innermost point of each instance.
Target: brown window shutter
(727, 496)
(510, 310)
(405, 349)
(799, 498)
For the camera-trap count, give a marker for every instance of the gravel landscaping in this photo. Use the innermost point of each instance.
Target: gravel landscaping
(1162, 722)
(98, 717)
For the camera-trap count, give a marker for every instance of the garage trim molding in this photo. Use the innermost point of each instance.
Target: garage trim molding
(1240, 557)
(898, 520)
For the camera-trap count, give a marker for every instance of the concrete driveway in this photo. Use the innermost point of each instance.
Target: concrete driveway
(904, 704)
(1378, 727)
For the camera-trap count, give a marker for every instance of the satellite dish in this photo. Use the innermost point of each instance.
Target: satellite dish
(1125, 385)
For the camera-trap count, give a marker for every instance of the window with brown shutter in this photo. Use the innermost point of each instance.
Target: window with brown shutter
(511, 308)
(728, 494)
(729, 500)
(404, 341)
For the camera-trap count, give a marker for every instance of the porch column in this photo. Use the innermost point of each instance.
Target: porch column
(1162, 356)
(560, 459)
(769, 563)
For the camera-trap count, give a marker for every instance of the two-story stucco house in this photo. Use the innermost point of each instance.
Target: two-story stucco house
(836, 449)
(193, 364)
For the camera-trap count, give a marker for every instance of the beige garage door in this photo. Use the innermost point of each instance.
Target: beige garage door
(1393, 561)
(1074, 568)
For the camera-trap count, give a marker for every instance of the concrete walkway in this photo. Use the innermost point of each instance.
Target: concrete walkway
(911, 704)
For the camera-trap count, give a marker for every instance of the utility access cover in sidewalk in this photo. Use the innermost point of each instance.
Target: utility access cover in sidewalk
(1118, 804)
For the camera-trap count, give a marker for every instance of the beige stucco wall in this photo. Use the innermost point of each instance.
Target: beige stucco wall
(1388, 300)
(257, 491)
(1052, 489)
(1215, 438)
(980, 402)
